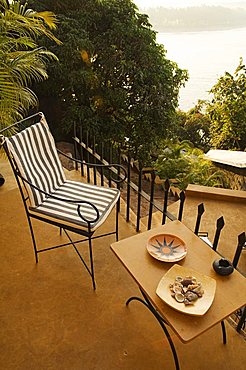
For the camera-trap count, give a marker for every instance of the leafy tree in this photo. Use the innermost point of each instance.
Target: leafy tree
(21, 60)
(227, 110)
(194, 126)
(112, 75)
(183, 164)
(171, 160)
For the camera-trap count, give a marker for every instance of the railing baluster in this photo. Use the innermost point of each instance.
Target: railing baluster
(242, 319)
(81, 151)
(199, 216)
(102, 157)
(166, 190)
(118, 184)
(88, 156)
(128, 189)
(87, 146)
(219, 227)
(181, 205)
(95, 161)
(110, 161)
(75, 146)
(151, 198)
(241, 243)
(139, 196)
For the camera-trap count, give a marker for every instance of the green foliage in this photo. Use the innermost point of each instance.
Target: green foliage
(183, 164)
(194, 126)
(227, 110)
(21, 60)
(112, 76)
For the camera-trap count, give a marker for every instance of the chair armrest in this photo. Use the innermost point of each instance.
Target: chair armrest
(79, 202)
(97, 165)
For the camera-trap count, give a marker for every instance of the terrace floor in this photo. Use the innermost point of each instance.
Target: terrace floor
(52, 319)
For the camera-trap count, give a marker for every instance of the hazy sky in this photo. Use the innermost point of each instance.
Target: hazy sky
(182, 3)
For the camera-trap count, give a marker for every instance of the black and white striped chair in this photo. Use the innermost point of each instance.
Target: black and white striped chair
(48, 196)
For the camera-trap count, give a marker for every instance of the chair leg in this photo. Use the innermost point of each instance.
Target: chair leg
(33, 238)
(92, 263)
(60, 231)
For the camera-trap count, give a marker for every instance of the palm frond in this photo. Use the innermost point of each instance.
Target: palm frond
(22, 62)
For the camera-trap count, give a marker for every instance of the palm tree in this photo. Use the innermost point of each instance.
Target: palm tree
(22, 61)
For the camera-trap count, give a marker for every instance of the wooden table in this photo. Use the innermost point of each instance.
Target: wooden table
(230, 292)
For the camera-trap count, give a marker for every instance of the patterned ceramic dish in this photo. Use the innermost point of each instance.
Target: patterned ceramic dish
(166, 247)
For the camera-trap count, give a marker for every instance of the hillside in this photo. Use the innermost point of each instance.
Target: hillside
(196, 18)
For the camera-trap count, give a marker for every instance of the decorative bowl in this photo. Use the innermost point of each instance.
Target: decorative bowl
(166, 247)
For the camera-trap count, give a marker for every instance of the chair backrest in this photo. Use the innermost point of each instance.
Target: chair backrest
(35, 156)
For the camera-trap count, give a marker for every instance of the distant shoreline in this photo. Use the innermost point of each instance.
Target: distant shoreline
(198, 29)
(196, 18)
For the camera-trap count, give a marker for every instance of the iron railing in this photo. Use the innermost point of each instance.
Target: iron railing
(85, 148)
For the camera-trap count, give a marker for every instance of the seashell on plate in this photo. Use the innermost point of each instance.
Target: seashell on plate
(179, 297)
(186, 290)
(185, 282)
(198, 290)
(191, 296)
(177, 289)
(176, 283)
(178, 279)
(192, 286)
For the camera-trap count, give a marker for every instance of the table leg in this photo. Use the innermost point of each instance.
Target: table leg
(161, 321)
(223, 331)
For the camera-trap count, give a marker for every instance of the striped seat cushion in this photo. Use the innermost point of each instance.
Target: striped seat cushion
(103, 198)
(36, 157)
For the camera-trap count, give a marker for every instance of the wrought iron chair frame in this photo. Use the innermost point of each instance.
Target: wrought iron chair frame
(88, 234)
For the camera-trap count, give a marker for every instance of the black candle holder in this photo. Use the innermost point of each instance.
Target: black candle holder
(223, 267)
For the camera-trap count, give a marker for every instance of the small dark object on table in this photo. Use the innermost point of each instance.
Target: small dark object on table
(223, 266)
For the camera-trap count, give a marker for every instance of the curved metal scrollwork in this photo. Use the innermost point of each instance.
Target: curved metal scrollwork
(161, 321)
(83, 218)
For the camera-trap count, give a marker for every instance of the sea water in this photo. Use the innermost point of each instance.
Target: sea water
(207, 55)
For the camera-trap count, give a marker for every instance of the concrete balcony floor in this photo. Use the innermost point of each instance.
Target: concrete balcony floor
(52, 319)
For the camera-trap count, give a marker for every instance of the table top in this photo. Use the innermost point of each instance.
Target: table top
(230, 292)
